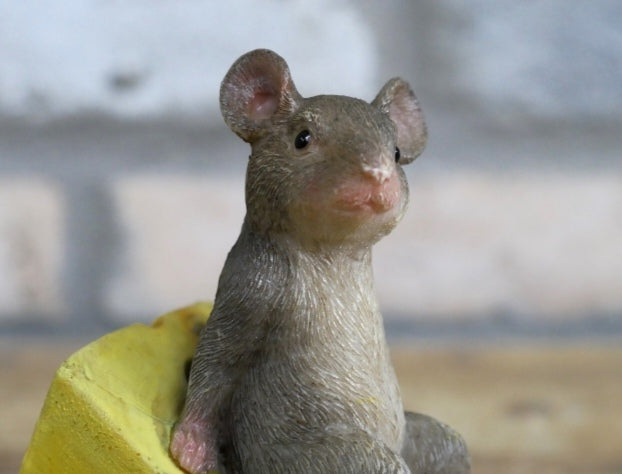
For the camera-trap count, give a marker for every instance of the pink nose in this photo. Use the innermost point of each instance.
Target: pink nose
(379, 193)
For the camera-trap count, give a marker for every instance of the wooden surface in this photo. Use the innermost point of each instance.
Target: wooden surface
(522, 408)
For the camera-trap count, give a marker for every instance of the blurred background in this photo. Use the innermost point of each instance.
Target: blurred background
(121, 189)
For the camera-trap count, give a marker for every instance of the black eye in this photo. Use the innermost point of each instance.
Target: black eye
(302, 139)
(397, 155)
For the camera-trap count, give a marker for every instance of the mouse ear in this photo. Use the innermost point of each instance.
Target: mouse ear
(256, 92)
(399, 102)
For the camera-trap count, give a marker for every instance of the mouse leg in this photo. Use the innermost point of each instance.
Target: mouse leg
(196, 438)
(431, 447)
(193, 439)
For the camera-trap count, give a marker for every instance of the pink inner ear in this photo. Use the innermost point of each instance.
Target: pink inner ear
(402, 110)
(262, 105)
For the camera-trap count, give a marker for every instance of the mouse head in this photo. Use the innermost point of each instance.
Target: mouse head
(325, 169)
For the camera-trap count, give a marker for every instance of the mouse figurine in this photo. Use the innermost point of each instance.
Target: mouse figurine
(292, 371)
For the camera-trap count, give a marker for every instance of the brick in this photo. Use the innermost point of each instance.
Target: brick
(554, 75)
(32, 214)
(44, 71)
(177, 232)
(540, 247)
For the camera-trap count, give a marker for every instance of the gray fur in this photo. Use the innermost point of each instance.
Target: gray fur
(292, 371)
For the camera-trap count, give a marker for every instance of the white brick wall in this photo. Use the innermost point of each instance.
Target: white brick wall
(130, 219)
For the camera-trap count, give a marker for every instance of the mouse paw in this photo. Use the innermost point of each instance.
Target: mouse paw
(192, 448)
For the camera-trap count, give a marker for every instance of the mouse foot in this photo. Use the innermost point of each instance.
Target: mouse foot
(432, 447)
(192, 449)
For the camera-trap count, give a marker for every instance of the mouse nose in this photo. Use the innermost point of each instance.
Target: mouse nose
(378, 167)
(379, 172)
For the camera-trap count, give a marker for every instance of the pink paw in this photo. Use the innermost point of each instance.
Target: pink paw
(192, 448)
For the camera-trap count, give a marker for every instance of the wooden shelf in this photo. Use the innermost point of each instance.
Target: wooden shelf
(523, 408)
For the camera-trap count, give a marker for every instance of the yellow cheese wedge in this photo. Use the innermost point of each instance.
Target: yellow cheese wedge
(112, 404)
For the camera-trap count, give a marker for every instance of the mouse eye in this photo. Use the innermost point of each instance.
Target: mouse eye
(397, 155)
(302, 139)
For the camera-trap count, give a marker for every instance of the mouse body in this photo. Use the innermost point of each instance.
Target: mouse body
(292, 371)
